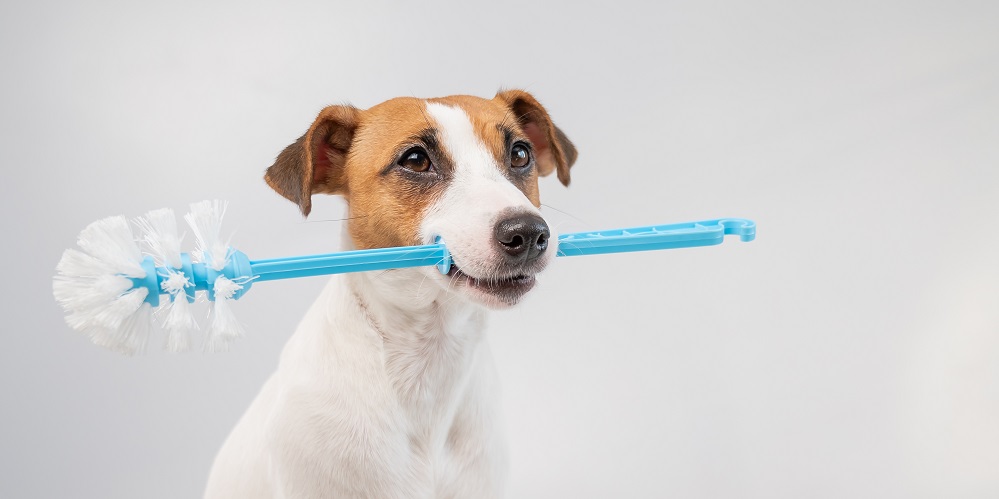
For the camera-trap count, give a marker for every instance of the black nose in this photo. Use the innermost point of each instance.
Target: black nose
(522, 237)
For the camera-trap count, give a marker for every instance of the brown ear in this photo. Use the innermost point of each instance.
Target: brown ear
(553, 149)
(315, 162)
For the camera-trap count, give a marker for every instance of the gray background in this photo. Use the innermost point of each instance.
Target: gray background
(851, 351)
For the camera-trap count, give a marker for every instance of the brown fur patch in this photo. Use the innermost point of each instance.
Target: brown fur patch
(554, 149)
(315, 162)
(386, 207)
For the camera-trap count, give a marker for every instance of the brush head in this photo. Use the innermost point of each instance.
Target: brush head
(111, 290)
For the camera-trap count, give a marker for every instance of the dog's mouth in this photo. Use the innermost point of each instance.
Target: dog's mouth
(508, 288)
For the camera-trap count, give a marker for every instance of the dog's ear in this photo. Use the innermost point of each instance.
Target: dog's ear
(553, 149)
(315, 162)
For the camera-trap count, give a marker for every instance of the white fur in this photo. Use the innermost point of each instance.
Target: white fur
(388, 389)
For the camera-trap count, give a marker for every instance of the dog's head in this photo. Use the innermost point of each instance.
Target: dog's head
(461, 168)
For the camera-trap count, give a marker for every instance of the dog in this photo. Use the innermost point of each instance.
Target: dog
(388, 389)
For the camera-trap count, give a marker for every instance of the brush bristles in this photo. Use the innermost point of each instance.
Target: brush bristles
(110, 240)
(179, 324)
(160, 237)
(114, 313)
(95, 285)
(116, 324)
(205, 219)
(225, 328)
(88, 292)
(78, 263)
(132, 335)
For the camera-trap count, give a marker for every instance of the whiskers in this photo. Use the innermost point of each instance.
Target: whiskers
(333, 220)
(570, 215)
(450, 288)
(425, 277)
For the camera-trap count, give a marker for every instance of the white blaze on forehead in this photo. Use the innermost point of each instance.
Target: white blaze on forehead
(469, 154)
(477, 181)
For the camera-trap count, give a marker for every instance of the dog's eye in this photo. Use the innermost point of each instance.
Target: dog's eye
(520, 156)
(416, 159)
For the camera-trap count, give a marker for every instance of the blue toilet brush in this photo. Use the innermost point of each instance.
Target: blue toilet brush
(111, 288)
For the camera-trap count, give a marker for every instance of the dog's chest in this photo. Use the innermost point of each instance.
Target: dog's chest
(402, 403)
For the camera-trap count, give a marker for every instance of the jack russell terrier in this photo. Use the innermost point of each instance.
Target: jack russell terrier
(388, 389)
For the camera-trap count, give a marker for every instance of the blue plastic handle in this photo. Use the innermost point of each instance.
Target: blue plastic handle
(241, 269)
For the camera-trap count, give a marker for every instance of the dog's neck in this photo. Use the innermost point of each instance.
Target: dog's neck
(429, 337)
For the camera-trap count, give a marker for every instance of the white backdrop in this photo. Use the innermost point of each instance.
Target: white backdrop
(851, 351)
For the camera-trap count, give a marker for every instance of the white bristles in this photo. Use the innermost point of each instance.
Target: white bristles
(107, 315)
(159, 234)
(78, 263)
(175, 283)
(226, 288)
(110, 241)
(179, 324)
(225, 328)
(86, 293)
(115, 312)
(103, 287)
(133, 334)
(205, 219)
(115, 325)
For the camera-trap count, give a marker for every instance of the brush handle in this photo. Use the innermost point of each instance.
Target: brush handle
(240, 269)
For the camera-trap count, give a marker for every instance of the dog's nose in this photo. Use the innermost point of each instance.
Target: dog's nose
(522, 237)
